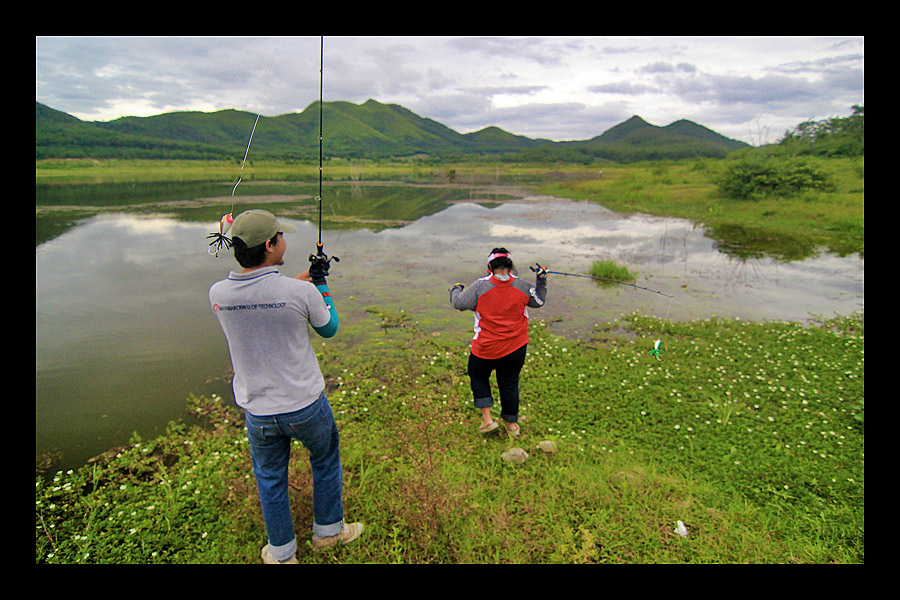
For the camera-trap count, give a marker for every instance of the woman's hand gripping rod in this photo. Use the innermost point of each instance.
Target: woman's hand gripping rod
(539, 268)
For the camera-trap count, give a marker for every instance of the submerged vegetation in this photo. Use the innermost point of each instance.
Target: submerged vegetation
(751, 434)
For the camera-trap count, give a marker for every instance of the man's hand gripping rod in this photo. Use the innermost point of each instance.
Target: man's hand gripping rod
(321, 256)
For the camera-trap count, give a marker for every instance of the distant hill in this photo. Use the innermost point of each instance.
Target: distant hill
(368, 130)
(638, 132)
(636, 139)
(59, 135)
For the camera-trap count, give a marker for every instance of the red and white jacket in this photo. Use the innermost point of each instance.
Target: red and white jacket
(501, 312)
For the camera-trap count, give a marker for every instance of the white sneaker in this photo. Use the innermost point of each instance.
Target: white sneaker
(349, 532)
(268, 559)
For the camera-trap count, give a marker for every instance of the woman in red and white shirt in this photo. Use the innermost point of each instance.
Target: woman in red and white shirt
(500, 301)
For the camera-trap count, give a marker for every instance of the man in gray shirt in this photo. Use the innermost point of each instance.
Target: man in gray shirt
(266, 318)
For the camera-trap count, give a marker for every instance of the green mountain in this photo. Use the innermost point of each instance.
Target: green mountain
(636, 139)
(632, 127)
(638, 132)
(368, 130)
(59, 135)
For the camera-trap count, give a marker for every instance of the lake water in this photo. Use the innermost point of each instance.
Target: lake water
(124, 332)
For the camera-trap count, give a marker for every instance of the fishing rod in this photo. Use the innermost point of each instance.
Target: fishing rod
(538, 267)
(320, 252)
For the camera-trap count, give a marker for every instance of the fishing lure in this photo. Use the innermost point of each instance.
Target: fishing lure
(219, 239)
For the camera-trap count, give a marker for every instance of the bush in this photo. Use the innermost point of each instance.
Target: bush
(755, 176)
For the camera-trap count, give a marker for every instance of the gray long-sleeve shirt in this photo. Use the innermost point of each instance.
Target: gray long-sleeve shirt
(501, 312)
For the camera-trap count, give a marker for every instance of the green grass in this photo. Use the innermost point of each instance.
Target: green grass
(752, 434)
(62, 171)
(610, 270)
(791, 228)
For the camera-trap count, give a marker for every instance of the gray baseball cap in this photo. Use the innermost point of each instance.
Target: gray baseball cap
(256, 226)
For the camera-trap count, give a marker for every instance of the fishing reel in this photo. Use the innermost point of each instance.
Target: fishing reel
(540, 270)
(320, 255)
(319, 263)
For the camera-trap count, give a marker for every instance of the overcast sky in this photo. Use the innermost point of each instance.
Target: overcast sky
(561, 88)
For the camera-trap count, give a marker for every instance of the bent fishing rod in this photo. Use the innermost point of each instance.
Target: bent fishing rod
(220, 239)
(538, 267)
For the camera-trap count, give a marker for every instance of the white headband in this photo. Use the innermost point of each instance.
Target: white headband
(497, 255)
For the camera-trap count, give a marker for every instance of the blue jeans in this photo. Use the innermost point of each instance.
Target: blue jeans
(270, 447)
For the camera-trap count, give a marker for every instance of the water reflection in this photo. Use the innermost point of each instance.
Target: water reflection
(124, 332)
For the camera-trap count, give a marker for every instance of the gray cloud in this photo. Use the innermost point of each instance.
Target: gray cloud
(558, 88)
(537, 50)
(822, 65)
(665, 67)
(727, 89)
(513, 90)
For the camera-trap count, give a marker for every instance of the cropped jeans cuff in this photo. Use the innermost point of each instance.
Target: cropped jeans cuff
(324, 531)
(285, 551)
(484, 402)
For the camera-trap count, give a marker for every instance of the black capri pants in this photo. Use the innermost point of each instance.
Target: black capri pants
(508, 368)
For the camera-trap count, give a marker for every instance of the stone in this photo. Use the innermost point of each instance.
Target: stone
(547, 446)
(515, 455)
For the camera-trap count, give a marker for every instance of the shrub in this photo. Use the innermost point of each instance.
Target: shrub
(755, 176)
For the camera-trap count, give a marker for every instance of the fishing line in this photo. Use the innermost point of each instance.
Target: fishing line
(220, 239)
(253, 130)
(656, 349)
(596, 278)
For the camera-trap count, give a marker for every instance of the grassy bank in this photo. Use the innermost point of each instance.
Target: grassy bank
(752, 434)
(789, 227)
(78, 171)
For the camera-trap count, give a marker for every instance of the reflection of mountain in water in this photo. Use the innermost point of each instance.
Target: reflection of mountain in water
(374, 206)
(346, 206)
(377, 207)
